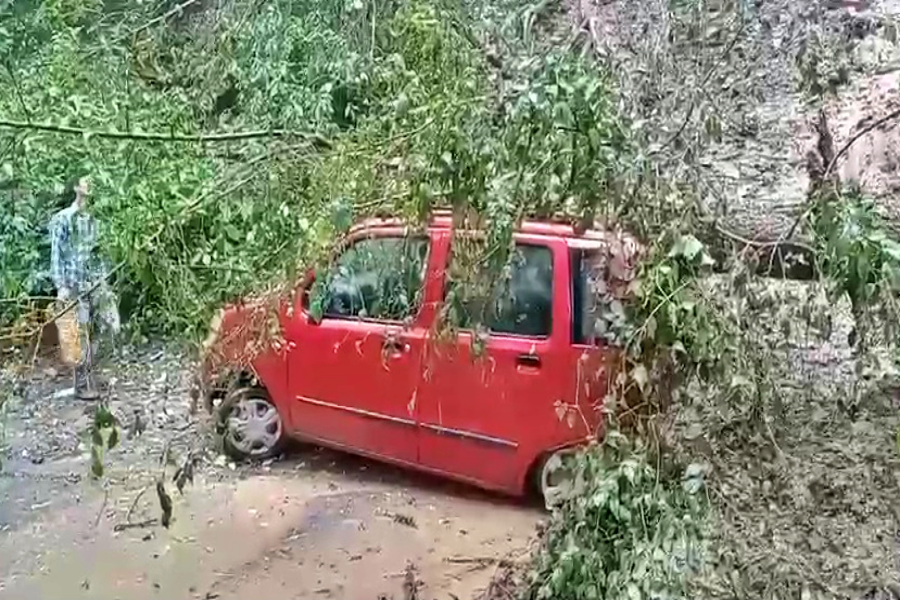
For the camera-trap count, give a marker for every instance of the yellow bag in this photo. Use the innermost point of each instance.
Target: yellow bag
(69, 339)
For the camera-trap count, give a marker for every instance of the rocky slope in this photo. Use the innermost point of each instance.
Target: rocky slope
(730, 95)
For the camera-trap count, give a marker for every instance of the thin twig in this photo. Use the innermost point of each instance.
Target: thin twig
(463, 30)
(891, 115)
(24, 299)
(232, 268)
(760, 243)
(482, 560)
(134, 503)
(15, 82)
(102, 507)
(639, 331)
(374, 22)
(139, 525)
(702, 85)
(156, 20)
(316, 139)
(82, 296)
(833, 163)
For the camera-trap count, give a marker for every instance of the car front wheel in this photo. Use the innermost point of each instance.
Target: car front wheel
(251, 425)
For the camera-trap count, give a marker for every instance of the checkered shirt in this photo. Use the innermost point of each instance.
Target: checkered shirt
(73, 240)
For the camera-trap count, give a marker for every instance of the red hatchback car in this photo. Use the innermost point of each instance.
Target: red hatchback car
(365, 368)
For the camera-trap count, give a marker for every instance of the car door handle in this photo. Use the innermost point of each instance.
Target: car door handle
(529, 360)
(394, 345)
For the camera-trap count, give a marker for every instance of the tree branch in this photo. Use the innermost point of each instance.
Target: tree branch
(709, 73)
(154, 21)
(18, 90)
(891, 115)
(761, 243)
(317, 140)
(833, 163)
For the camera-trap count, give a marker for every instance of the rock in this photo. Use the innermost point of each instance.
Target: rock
(750, 133)
(64, 393)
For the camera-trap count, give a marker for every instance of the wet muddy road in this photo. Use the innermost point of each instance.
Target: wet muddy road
(316, 524)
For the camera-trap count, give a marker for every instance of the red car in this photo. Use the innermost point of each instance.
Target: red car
(381, 355)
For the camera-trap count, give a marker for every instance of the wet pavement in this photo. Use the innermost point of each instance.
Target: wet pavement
(315, 524)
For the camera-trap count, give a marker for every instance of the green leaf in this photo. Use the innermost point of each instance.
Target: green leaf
(650, 327)
(634, 593)
(113, 439)
(96, 461)
(103, 418)
(165, 504)
(740, 381)
(892, 249)
(96, 436)
(640, 376)
(687, 246)
(233, 233)
(694, 476)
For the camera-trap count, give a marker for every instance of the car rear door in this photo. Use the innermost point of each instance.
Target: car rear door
(353, 372)
(487, 401)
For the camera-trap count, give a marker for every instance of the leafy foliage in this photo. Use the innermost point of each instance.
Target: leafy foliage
(104, 437)
(626, 533)
(367, 108)
(416, 115)
(84, 69)
(857, 252)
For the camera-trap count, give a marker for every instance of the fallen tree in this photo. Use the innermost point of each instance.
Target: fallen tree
(717, 419)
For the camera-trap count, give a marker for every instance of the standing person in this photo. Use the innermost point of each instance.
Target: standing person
(80, 274)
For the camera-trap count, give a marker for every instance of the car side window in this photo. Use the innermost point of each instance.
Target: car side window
(516, 301)
(588, 287)
(375, 278)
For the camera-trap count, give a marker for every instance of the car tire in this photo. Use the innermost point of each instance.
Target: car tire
(553, 480)
(250, 424)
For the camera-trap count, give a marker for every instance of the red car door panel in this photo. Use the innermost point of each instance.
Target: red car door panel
(486, 417)
(354, 390)
(474, 411)
(353, 378)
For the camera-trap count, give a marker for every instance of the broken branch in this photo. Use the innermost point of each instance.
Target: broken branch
(139, 525)
(891, 115)
(316, 139)
(177, 9)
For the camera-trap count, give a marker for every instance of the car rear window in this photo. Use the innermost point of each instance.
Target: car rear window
(515, 299)
(375, 278)
(588, 285)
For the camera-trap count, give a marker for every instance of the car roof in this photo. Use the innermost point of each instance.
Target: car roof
(443, 221)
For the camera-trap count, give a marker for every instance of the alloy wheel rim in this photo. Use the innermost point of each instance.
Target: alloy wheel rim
(254, 426)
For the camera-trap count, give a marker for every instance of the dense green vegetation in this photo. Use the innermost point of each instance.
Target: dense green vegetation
(229, 144)
(285, 122)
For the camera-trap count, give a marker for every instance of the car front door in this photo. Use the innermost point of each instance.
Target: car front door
(353, 367)
(488, 394)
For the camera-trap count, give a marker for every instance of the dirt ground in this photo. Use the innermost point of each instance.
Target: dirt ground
(315, 524)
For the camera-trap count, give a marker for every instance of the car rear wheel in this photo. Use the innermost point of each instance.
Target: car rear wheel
(555, 478)
(251, 425)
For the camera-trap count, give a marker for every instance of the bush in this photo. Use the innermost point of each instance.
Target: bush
(627, 532)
